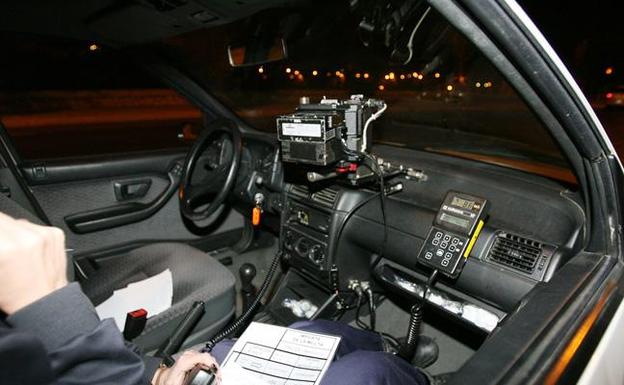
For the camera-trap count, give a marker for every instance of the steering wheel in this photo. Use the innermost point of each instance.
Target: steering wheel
(221, 141)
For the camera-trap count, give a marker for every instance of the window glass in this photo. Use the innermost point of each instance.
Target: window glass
(590, 42)
(62, 98)
(446, 98)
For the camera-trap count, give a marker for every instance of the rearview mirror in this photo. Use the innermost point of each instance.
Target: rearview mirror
(257, 52)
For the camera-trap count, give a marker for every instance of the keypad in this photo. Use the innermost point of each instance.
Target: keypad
(443, 250)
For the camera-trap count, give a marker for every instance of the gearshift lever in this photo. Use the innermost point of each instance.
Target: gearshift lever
(247, 273)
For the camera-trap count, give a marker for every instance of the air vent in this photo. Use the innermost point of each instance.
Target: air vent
(300, 191)
(516, 252)
(326, 197)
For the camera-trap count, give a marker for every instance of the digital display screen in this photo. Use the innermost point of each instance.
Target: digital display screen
(455, 220)
(463, 203)
(313, 130)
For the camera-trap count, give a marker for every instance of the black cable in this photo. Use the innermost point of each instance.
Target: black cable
(408, 349)
(375, 168)
(428, 284)
(242, 320)
(372, 308)
(349, 215)
(392, 339)
(358, 321)
(382, 202)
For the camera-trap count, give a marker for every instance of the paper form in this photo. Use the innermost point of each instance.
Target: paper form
(276, 355)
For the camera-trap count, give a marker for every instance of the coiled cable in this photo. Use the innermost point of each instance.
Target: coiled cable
(242, 320)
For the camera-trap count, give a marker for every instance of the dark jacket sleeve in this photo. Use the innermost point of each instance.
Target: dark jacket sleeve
(81, 348)
(23, 359)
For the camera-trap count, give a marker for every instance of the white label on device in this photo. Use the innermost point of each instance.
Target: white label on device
(301, 129)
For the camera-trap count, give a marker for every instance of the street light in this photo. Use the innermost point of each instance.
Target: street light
(609, 71)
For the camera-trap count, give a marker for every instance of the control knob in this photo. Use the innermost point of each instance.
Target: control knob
(316, 254)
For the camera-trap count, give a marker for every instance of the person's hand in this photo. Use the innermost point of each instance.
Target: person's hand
(176, 374)
(33, 262)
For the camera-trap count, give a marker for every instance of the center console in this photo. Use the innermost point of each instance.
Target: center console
(305, 228)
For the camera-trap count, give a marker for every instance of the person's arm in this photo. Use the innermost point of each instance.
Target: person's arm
(38, 302)
(81, 349)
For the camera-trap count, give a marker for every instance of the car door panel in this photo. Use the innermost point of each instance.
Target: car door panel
(82, 197)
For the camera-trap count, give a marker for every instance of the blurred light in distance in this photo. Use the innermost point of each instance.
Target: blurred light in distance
(381, 87)
(93, 47)
(609, 71)
(420, 76)
(366, 75)
(609, 95)
(402, 77)
(478, 84)
(260, 70)
(314, 73)
(288, 70)
(358, 75)
(337, 73)
(391, 75)
(449, 88)
(296, 72)
(436, 75)
(415, 74)
(387, 77)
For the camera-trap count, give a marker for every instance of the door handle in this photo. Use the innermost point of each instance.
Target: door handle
(124, 213)
(131, 189)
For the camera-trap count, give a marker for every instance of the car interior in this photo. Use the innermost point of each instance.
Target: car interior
(350, 200)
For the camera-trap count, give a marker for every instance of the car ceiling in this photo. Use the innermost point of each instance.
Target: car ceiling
(120, 23)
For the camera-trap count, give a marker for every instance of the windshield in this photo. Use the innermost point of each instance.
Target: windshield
(442, 94)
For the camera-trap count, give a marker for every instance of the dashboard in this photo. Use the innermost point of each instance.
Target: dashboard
(533, 225)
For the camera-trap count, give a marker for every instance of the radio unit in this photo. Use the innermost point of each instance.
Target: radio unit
(310, 138)
(327, 132)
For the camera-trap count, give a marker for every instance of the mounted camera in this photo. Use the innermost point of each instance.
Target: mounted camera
(325, 133)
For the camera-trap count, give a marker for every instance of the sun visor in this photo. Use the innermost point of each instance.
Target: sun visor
(139, 23)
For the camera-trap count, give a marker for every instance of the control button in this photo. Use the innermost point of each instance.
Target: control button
(444, 245)
(316, 254)
(445, 262)
(455, 241)
(451, 248)
(438, 234)
(435, 241)
(448, 256)
(439, 252)
(428, 255)
(447, 238)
